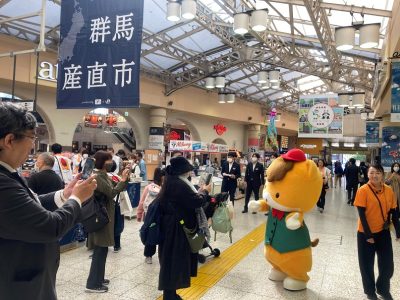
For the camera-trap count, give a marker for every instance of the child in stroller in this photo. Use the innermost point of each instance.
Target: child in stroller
(209, 208)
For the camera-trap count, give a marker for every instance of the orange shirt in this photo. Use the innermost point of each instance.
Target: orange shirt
(365, 198)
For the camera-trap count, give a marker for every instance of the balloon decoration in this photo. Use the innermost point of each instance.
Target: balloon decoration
(272, 135)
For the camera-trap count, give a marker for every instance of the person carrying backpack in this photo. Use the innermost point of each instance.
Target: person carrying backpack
(150, 193)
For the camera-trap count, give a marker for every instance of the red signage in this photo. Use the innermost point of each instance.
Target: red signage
(173, 135)
(220, 129)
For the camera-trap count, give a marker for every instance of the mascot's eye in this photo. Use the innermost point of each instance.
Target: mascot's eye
(277, 195)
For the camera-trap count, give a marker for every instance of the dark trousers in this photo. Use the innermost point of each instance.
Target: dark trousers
(117, 241)
(251, 189)
(351, 193)
(97, 268)
(170, 295)
(321, 200)
(150, 250)
(231, 189)
(366, 258)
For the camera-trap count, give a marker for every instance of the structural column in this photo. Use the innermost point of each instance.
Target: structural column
(253, 138)
(158, 119)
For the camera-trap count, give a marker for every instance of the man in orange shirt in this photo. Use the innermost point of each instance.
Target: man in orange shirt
(376, 204)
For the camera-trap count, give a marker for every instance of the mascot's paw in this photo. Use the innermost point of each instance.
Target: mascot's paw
(254, 206)
(315, 242)
(293, 284)
(276, 275)
(293, 222)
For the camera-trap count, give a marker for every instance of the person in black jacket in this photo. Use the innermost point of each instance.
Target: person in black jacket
(230, 172)
(46, 180)
(351, 172)
(178, 201)
(363, 173)
(254, 179)
(30, 226)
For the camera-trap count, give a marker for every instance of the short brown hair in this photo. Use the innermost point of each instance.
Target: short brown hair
(101, 157)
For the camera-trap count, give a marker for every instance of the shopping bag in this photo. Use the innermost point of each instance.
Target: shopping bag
(125, 203)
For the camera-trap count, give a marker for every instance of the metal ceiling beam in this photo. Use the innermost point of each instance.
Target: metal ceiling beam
(283, 57)
(343, 7)
(4, 2)
(321, 25)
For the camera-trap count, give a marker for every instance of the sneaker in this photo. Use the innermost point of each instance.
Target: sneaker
(321, 210)
(372, 296)
(106, 281)
(148, 260)
(386, 296)
(254, 212)
(244, 211)
(101, 289)
(117, 249)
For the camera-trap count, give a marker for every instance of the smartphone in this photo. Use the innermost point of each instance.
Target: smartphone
(88, 168)
(208, 179)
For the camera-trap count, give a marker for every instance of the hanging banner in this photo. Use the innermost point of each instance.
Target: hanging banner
(372, 133)
(395, 109)
(156, 138)
(99, 53)
(320, 116)
(390, 146)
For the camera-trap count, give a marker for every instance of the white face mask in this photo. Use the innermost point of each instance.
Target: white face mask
(254, 159)
(396, 169)
(85, 156)
(230, 160)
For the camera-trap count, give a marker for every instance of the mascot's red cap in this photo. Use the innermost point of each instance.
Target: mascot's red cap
(294, 155)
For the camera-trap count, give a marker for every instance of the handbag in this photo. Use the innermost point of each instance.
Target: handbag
(125, 204)
(94, 215)
(195, 239)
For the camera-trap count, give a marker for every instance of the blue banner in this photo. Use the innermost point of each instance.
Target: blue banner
(390, 146)
(395, 106)
(372, 133)
(99, 53)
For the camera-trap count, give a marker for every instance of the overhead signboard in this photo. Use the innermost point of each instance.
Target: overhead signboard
(99, 53)
(395, 94)
(320, 116)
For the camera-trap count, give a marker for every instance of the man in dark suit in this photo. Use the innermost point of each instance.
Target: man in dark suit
(230, 172)
(351, 173)
(254, 179)
(46, 180)
(30, 226)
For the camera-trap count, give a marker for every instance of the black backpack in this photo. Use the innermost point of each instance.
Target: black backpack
(94, 215)
(150, 232)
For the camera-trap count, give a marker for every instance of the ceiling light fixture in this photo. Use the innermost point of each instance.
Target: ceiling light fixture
(220, 82)
(241, 23)
(358, 100)
(173, 11)
(259, 20)
(210, 82)
(230, 98)
(369, 36)
(221, 98)
(189, 9)
(335, 144)
(262, 77)
(348, 145)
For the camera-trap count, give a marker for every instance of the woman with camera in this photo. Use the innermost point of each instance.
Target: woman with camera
(100, 240)
(376, 204)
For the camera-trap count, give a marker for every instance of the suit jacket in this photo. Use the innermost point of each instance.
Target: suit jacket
(351, 173)
(228, 182)
(255, 177)
(30, 228)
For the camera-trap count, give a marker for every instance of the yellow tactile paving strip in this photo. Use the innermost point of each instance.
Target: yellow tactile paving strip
(216, 268)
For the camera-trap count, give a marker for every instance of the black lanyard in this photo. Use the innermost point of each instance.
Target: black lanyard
(380, 205)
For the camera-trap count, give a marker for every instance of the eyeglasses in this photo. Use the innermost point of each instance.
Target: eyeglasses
(33, 138)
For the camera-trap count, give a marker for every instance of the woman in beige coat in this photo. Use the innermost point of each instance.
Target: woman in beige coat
(100, 240)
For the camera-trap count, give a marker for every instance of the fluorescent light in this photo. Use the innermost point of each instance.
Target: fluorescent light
(335, 144)
(363, 145)
(348, 145)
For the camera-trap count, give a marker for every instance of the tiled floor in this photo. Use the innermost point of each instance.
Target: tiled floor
(335, 273)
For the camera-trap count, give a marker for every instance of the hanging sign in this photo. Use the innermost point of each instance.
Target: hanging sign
(320, 116)
(220, 129)
(99, 53)
(390, 150)
(372, 133)
(395, 107)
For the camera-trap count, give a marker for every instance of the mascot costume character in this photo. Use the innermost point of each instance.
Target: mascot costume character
(292, 188)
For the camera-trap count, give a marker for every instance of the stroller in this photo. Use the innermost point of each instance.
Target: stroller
(209, 209)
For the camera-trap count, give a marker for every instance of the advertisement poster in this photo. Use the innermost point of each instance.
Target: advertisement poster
(99, 53)
(320, 116)
(372, 133)
(395, 105)
(390, 146)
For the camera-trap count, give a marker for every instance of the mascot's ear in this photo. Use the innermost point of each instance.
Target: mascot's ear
(278, 169)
